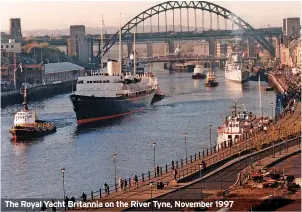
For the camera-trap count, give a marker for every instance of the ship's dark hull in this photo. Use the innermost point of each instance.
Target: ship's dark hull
(198, 76)
(211, 84)
(90, 109)
(31, 132)
(157, 97)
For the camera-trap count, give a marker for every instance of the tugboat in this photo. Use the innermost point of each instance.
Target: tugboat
(27, 126)
(211, 80)
(198, 72)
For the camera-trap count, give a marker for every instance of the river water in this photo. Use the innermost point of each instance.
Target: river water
(33, 169)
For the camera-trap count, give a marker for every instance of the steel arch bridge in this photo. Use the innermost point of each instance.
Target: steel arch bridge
(196, 5)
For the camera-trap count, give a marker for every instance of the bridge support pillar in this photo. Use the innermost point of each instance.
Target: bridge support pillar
(212, 47)
(277, 48)
(170, 45)
(129, 47)
(250, 47)
(221, 64)
(149, 49)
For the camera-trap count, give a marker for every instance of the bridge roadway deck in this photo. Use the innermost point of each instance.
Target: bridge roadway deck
(291, 123)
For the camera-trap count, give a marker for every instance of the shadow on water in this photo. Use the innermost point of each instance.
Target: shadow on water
(27, 141)
(98, 125)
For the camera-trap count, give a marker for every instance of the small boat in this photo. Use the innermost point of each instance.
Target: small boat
(27, 126)
(198, 72)
(159, 95)
(211, 80)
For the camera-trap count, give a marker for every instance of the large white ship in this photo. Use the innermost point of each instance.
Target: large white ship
(236, 70)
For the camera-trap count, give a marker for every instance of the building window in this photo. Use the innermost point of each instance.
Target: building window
(7, 46)
(12, 46)
(1, 46)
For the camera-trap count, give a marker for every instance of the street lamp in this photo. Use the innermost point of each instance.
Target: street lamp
(186, 145)
(151, 185)
(114, 161)
(262, 113)
(272, 104)
(200, 167)
(154, 154)
(63, 171)
(211, 137)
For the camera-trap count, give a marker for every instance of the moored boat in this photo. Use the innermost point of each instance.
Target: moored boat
(27, 126)
(236, 70)
(235, 128)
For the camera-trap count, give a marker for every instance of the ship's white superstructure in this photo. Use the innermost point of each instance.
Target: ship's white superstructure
(234, 127)
(114, 84)
(236, 70)
(198, 69)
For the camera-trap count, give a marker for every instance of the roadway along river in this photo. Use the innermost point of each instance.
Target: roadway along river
(33, 169)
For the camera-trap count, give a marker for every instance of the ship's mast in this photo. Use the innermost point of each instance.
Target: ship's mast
(134, 56)
(102, 45)
(25, 98)
(120, 44)
(235, 107)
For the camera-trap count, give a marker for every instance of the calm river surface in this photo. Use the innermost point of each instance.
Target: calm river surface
(33, 169)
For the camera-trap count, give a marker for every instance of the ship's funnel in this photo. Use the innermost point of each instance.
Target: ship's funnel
(113, 68)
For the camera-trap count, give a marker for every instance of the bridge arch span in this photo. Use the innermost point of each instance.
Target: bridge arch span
(201, 5)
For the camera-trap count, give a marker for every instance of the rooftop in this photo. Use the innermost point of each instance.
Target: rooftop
(59, 67)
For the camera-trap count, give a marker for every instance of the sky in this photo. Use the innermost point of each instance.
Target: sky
(45, 14)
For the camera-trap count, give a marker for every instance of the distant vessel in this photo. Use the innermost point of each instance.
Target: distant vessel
(236, 70)
(198, 72)
(183, 67)
(211, 79)
(26, 125)
(236, 125)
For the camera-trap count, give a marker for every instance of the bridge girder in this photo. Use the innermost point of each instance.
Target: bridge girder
(201, 5)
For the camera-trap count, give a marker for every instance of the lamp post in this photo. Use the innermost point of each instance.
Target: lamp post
(262, 113)
(272, 105)
(63, 171)
(200, 167)
(186, 146)
(210, 137)
(153, 154)
(114, 161)
(151, 184)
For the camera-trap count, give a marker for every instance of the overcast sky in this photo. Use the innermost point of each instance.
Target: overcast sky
(45, 14)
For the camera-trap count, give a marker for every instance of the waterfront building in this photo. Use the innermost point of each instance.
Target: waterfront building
(15, 29)
(291, 26)
(202, 48)
(221, 48)
(4, 37)
(62, 71)
(78, 44)
(31, 73)
(10, 47)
